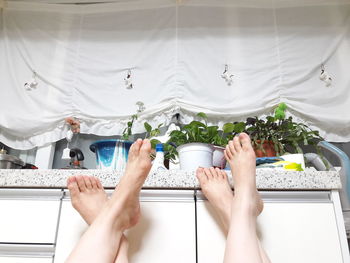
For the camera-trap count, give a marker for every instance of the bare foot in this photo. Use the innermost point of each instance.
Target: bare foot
(125, 199)
(87, 195)
(215, 186)
(241, 157)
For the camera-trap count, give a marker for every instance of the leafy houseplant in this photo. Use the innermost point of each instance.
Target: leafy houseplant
(283, 133)
(127, 132)
(193, 143)
(197, 131)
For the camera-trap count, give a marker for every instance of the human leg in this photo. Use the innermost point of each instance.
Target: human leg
(215, 186)
(100, 243)
(242, 242)
(88, 197)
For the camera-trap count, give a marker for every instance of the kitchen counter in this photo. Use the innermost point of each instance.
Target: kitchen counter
(309, 179)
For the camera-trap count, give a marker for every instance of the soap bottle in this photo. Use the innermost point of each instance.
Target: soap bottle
(158, 162)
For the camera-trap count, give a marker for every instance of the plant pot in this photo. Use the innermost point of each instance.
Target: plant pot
(269, 148)
(219, 157)
(111, 154)
(194, 155)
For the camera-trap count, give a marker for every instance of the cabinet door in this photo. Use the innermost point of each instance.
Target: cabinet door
(294, 227)
(25, 260)
(10, 253)
(165, 233)
(29, 216)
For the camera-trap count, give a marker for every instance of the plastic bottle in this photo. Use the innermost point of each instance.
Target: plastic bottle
(158, 162)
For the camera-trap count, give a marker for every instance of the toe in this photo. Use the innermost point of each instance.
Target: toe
(218, 173)
(135, 148)
(69, 180)
(73, 187)
(146, 147)
(201, 176)
(208, 173)
(99, 184)
(214, 173)
(93, 183)
(237, 144)
(231, 147)
(245, 141)
(81, 183)
(223, 174)
(227, 153)
(87, 181)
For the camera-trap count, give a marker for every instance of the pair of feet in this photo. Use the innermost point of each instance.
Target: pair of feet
(215, 186)
(89, 198)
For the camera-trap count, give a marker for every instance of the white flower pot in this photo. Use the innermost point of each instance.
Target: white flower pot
(219, 157)
(194, 155)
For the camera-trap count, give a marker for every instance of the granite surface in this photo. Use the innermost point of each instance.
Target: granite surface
(273, 179)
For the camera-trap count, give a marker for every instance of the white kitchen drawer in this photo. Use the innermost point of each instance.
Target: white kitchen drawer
(29, 216)
(165, 233)
(10, 253)
(25, 260)
(294, 227)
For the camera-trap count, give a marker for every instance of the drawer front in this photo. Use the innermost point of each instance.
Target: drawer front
(10, 253)
(165, 233)
(29, 216)
(25, 260)
(293, 227)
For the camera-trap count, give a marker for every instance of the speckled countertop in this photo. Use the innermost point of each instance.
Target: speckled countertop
(266, 179)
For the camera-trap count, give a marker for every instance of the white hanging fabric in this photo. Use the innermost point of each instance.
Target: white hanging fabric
(175, 54)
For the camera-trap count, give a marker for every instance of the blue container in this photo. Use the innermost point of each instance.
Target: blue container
(111, 154)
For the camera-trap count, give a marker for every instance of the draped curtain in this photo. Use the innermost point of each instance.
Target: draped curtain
(175, 54)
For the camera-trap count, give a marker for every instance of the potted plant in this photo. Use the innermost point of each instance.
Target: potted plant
(193, 143)
(277, 135)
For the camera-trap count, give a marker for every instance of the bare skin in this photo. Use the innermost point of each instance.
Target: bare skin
(241, 209)
(215, 186)
(240, 155)
(88, 197)
(120, 212)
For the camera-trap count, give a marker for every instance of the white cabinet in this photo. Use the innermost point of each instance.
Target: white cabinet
(294, 227)
(29, 216)
(165, 233)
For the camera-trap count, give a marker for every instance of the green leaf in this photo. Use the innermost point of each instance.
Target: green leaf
(228, 127)
(196, 124)
(147, 127)
(154, 142)
(155, 132)
(239, 127)
(202, 115)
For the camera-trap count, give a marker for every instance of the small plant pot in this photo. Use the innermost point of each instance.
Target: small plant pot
(111, 154)
(194, 155)
(219, 157)
(269, 149)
